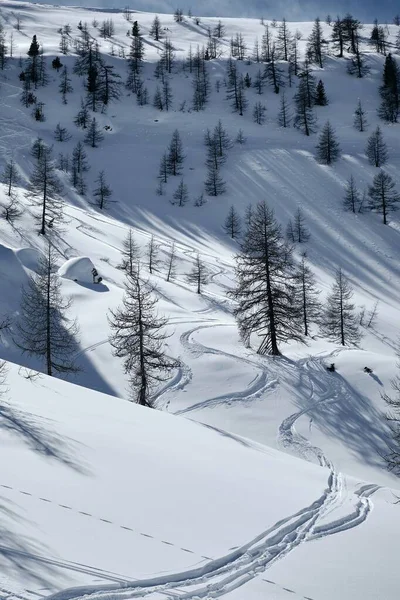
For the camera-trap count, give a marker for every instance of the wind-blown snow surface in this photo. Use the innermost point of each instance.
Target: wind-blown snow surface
(87, 459)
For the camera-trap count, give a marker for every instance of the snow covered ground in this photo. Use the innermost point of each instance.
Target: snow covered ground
(95, 491)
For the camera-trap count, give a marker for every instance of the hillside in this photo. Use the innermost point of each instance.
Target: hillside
(96, 491)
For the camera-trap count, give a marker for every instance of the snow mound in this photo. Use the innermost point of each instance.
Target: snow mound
(78, 269)
(28, 257)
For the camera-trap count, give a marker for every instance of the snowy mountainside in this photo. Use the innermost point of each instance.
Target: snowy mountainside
(163, 476)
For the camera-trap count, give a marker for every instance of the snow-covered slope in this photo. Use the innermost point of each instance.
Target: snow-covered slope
(96, 490)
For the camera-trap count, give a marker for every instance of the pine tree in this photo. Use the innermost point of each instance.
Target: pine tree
(304, 118)
(181, 195)
(10, 176)
(56, 63)
(44, 329)
(300, 230)
(138, 337)
(376, 149)
(351, 28)
(351, 200)
(308, 83)
(65, 86)
(393, 417)
(82, 118)
(152, 254)
(320, 95)
(171, 262)
(214, 184)
(265, 294)
(93, 135)
(46, 188)
(307, 295)
(328, 149)
(164, 169)
(136, 54)
(315, 51)
(130, 255)
(360, 120)
(222, 140)
(219, 30)
(167, 95)
(102, 193)
(109, 85)
(357, 64)
(176, 155)
(383, 196)
(390, 91)
(339, 320)
(155, 30)
(199, 275)
(259, 82)
(240, 138)
(32, 67)
(338, 36)
(290, 234)
(284, 116)
(272, 73)
(61, 133)
(259, 111)
(283, 40)
(79, 165)
(232, 225)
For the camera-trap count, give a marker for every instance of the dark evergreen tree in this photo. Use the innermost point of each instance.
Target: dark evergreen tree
(214, 184)
(44, 329)
(181, 195)
(79, 165)
(390, 91)
(259, 82)
(130, 255)
(300, 230)
(45, 189)
(266, 44)
(376, 149)
(10, 176)
(167, 96)
(283, 41)
(307, 295)
(383, 196)
(339, 319)
(152, 254)
(176, 155)
(351, 29)
(156, 29)
(284, 116)
(351, 200)
(265, 293)
(171, 262)
(94, 135)
(102, 193)
(304, 118)
(320, 95)
(136, 55)
(109, 85)
(233, 225)
(315, 46)
(158, 100)
(219, 30)
(338, 34)
(32, 66)
(199, 275)
(65, 86)
(82, 118)
(357, 65)
(308, 83)
(56, 63)
(61, 134)
(259, 111)
(360, 120)
(328, 149)
(138, 337)
(273, 73)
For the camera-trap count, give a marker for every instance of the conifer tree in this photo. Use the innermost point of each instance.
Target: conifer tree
(357, 64)
(300, 230)
(259, 111)
(304, 118)
(199, 275)
(167, 96)
(339, 320)
(273, 73)
(376, 149)
(320, 95)
(32, 67)
(214, 184)
(351, 200)
(328, 149)
(390, 91)
(44, 329)
(176, 155)
(102, 193)
(79, 165)
(259, 82)
(284, 116)
(265, 291)
(360, 120)
(61, 133)
(383, 196)
(46, 188)
(65, 86)
(181, 195)
(138, 336)
(338, 36)
(393, 417)
(283, 40)
(171, 262)
(315, 47)
(130, 255)
(94, 135)
(307, 295)
(109, 85)
(136, 54)
(164, 169)
(232, 225)
(82, 118)
(152, 254)
(155, 30)
(10, 176)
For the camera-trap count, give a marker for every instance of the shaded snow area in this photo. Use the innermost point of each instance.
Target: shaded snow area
(257, 477)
